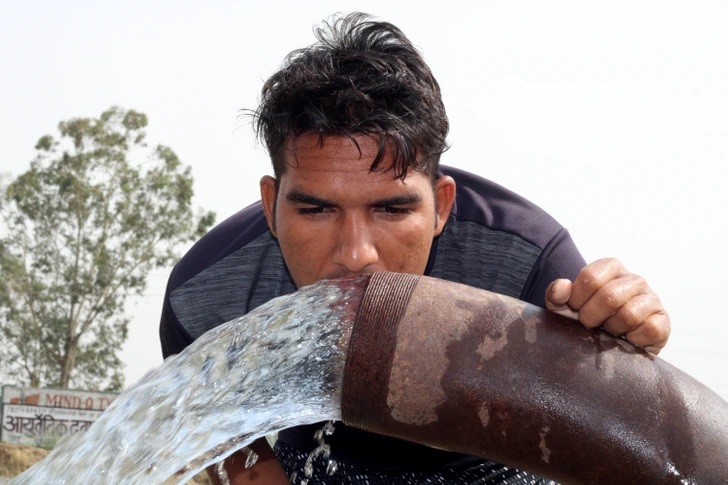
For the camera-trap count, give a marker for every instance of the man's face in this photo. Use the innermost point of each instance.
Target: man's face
(333, 217)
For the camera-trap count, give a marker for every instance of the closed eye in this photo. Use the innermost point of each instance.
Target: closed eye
(399, 205)
(391, 211)
(312, 211)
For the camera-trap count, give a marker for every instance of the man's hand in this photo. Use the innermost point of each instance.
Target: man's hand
(606, 294)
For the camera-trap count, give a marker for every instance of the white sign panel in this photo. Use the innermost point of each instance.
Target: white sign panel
(42, 426)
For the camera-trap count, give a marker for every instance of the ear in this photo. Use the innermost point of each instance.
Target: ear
(444, 198)
(268, 198)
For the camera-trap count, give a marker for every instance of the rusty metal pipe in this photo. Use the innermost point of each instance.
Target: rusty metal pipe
(467, 370)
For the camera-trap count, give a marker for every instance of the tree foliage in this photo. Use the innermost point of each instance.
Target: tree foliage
(81, 229)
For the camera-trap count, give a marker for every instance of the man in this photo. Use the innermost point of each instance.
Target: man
(355, 127)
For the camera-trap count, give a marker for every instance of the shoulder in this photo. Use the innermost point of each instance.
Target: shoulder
(484, 202)
(500, 241)
(227, 237)
(234, 268)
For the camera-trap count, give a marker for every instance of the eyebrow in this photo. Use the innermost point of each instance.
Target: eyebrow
(303, 198)
(405, 199)
(299, 197)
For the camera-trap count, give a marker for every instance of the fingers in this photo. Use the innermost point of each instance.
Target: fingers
(624, 296)
(590, 280)
(606, 294)
(652, 335)
(633, 313)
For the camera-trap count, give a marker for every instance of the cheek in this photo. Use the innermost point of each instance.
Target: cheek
(303, 248)
(409, 251)
(295, 242)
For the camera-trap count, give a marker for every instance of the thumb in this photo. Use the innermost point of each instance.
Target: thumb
(557, 298)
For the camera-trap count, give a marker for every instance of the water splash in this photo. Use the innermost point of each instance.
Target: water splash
(279, 366)
(322, 450)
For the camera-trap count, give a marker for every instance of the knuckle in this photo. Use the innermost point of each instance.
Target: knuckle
(654, 330)
(639, 283)
(611, 301)
(590, 278)
(631, 316)
(588, 319)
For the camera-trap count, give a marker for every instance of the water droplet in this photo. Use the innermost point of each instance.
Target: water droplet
(221, 473)
(325, 451)
(251, 457)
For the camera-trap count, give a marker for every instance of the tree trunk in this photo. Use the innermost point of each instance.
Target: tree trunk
(67, 365)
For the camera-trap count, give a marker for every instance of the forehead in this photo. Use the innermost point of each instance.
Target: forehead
(310, 151)
(342, 161)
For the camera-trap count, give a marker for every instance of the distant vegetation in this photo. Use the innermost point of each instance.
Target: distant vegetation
(79, 232)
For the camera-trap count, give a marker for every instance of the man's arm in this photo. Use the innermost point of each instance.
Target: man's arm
(605, 293)
(267, 470)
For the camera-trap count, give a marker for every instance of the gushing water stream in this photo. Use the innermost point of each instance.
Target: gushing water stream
(279, 366)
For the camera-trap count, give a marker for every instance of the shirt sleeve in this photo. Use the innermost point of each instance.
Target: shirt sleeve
(559, 259)
(172, 336)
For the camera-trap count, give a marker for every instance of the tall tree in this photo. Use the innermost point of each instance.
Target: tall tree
(80, 230)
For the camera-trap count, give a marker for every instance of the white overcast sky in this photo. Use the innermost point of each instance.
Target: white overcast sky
(612, 116)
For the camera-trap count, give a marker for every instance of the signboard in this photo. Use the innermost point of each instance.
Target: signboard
(40, 417)
(43, 426)
(57, 398)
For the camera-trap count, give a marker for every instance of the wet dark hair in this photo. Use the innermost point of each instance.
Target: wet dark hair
(362, 77)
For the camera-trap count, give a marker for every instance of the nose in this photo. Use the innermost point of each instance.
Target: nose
(356, 248)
